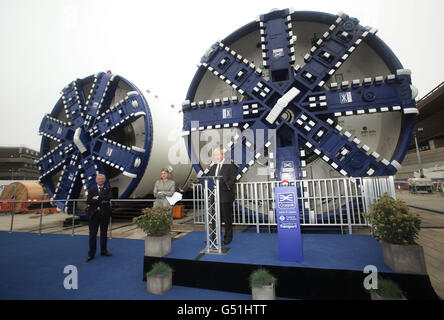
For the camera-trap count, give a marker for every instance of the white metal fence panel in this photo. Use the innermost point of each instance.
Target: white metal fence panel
(375, 187)
(323, 202)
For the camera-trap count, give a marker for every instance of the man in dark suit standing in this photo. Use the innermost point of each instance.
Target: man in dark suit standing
(228, 172)
(99, 212)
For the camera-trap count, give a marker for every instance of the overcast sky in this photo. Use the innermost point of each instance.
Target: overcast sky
(45, 44)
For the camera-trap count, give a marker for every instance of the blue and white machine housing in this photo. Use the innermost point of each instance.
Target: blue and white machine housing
(103, 124)
(317, 79)
(294, 72)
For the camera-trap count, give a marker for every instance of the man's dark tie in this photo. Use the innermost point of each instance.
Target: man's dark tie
(99, 188)
(219, 165)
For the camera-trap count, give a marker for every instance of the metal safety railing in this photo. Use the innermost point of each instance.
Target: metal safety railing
(77, 206)
(322, 202)
(18, 206)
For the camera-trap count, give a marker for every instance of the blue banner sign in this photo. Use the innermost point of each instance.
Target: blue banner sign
(289, 230)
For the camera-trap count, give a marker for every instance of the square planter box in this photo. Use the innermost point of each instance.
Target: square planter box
(264, 293)
(404, 258)
(158, 246)
(159, 284)
(376, 296)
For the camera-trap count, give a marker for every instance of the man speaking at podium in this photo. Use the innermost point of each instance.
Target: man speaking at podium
(99, 212)
(227, 170)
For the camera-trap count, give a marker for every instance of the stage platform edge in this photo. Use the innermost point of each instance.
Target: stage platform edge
(295, 282)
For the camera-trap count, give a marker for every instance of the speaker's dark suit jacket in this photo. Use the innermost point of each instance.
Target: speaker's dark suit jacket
(228, 172)
(99, 208)
(99, 212)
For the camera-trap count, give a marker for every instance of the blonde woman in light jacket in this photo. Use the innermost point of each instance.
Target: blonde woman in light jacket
(163, 188)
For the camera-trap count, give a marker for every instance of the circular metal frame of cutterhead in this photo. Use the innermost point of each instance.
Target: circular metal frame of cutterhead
(316, 80)
(101, 124)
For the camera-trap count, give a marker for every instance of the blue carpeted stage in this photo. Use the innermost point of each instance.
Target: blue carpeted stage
(31, 267)
(332, 268)
(324, 251)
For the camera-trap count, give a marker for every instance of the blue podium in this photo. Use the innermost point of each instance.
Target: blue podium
(288, 224)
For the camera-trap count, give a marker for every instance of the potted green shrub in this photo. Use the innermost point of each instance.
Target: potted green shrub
(387, 290)
(156, 223)
(159, 279)
(262, 284)
(397, 228)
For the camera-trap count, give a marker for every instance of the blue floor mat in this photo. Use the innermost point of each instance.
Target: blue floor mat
(31, 267)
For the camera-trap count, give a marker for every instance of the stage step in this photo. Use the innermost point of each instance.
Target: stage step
(293, 282)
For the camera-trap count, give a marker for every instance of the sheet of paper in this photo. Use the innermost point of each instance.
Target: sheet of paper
(174, 198)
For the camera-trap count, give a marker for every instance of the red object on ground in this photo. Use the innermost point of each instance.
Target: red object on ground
(178, 211)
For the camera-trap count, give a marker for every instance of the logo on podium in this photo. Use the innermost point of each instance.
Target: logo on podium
(288, 224)
(287, 200)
